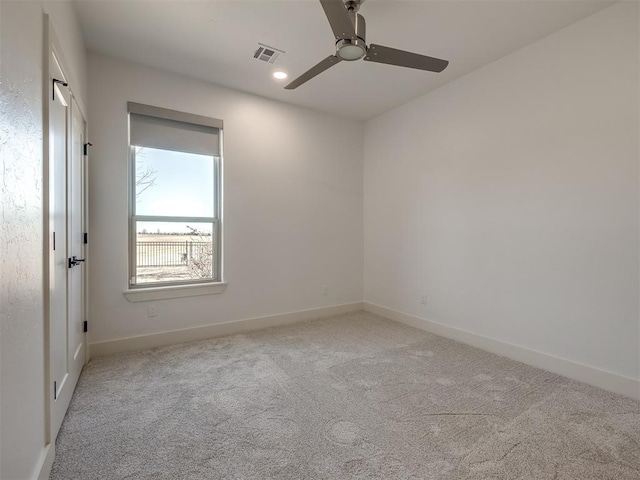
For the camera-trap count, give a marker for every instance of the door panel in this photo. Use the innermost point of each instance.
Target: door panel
(76, 237)
(58, 133)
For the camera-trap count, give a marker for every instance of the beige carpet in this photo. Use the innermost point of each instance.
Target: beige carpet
(352, 396)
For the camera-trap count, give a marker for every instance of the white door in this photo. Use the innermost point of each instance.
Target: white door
(66, 207)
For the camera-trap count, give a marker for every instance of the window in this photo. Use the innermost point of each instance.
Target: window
(175, 204)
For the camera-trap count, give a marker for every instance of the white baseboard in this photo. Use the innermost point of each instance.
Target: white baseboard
(610, 381)
(219, 330)
(43, 469)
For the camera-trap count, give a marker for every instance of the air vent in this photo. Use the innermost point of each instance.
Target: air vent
(267, 54)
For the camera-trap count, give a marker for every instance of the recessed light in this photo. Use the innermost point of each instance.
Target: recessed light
(280, 75)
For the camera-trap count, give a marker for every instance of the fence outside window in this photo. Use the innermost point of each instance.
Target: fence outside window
(170, 254)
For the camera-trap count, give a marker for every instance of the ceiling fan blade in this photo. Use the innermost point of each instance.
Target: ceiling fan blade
(339, 19)
(401, 58)
(330, 61)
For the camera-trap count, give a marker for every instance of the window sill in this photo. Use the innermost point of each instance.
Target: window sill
(174, 291)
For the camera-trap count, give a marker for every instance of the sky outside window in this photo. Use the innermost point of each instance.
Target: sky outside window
(181, 184)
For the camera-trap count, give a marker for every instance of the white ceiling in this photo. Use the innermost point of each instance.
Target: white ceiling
(214, 40)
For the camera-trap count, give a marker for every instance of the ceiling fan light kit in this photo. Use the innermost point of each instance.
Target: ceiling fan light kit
(349, 29)
(350, 50)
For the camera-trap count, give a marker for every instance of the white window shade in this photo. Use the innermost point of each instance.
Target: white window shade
(164, 129)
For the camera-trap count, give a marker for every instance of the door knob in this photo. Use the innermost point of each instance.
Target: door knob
(73, 261)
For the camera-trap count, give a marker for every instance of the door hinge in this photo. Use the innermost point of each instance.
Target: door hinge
(86, 148)
(53, 88)
(86, 238)
(55, 390)
(54, 240)
(85, 326)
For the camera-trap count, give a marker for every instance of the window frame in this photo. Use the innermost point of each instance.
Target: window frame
(215, 221)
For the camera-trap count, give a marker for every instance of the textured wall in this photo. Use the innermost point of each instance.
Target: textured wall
(510, 197)
(21, 334)
(22, 360)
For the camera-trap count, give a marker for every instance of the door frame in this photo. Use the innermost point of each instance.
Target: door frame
(51, 45)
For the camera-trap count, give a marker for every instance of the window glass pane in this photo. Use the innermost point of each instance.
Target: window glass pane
(173, 184)
(175, 251)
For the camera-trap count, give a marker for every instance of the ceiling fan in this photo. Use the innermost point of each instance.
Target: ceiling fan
(349, 29)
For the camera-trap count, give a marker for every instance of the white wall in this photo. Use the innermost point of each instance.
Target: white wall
(510, 197)
(22, 357)
(292, 204)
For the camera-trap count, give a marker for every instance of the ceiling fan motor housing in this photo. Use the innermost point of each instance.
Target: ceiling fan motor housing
(351, 49)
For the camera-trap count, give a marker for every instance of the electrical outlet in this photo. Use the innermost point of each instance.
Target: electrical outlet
(152, 310)
(423, 300)
(325, 290)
